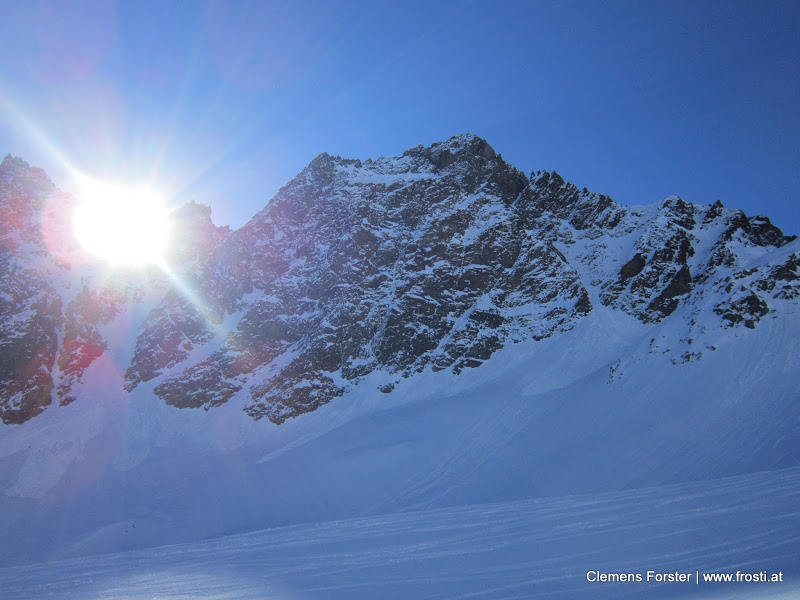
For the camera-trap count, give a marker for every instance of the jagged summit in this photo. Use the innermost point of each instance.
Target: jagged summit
(368, 272)
(9, 160)
(194, 235)
(28, 184)
(14, 162)
(457, 147)
(463, 159)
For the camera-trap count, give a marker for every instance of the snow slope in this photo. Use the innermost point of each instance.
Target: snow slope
(526, 549)
(543, 419)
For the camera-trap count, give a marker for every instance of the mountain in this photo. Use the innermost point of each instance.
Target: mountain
(431, 260)
(416, 333)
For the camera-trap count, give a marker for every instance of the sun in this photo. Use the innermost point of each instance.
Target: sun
(122, 226)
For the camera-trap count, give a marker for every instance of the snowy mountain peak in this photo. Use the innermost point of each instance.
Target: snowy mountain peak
(366, 273)
(24, 188)
(11, 162)
(461, 147)
(14, 163)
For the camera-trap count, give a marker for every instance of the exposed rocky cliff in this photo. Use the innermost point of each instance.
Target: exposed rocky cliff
(431, 260)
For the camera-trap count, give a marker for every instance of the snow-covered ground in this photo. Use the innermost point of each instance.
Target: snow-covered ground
(527, 549)
(512, 480)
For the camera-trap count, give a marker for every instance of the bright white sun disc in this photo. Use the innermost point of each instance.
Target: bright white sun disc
(128, 227)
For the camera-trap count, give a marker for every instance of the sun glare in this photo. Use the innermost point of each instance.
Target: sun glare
(124, 227)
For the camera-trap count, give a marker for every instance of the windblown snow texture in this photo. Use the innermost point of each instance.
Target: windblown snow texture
(524, 549)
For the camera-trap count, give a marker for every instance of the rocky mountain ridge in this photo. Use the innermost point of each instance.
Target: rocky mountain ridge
(382, 268)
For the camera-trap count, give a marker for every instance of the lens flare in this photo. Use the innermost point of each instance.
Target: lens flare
(122, 226)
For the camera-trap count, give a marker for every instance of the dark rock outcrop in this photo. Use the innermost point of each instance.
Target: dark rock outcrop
(435, 260)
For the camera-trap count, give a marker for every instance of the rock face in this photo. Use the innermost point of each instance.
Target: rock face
(30, 308)
(431, 260)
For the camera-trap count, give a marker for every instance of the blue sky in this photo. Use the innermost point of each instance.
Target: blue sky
(224, 102)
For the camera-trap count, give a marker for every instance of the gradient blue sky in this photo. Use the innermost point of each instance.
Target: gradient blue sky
(224, 102)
